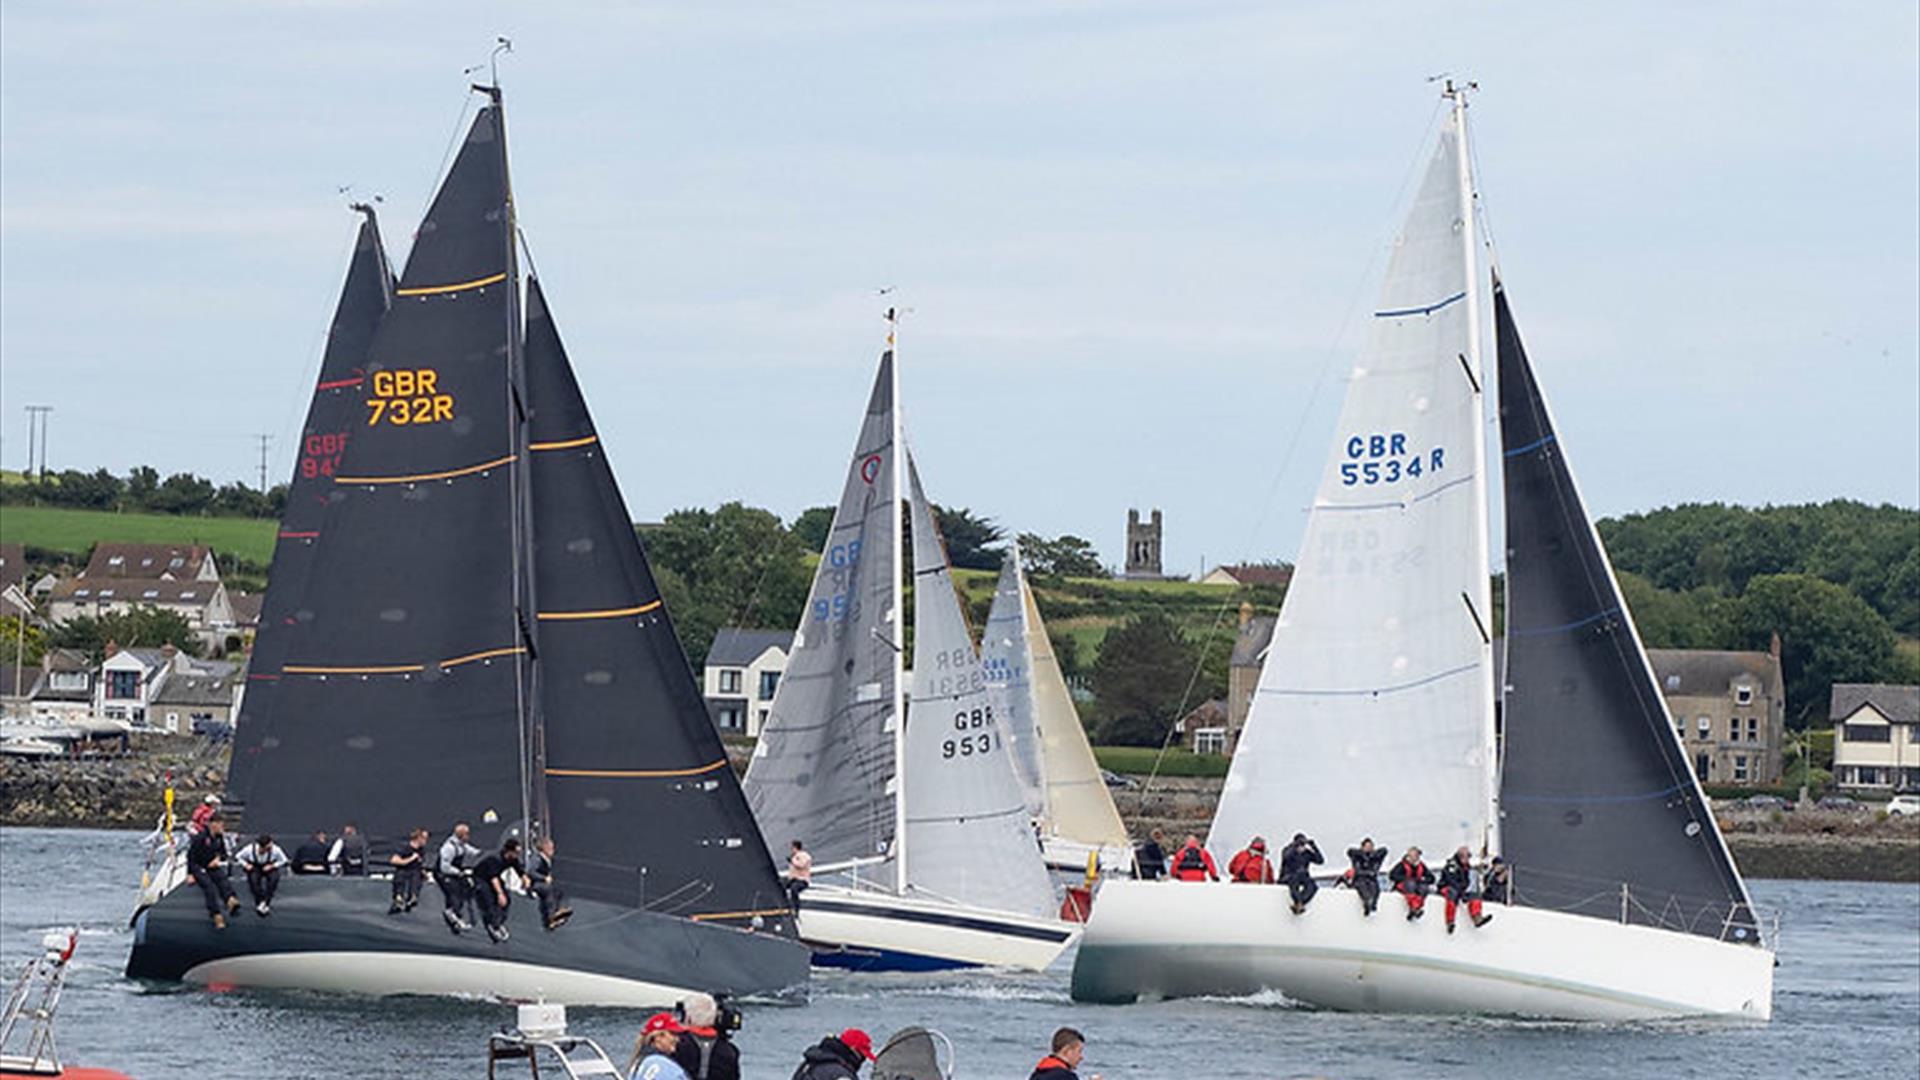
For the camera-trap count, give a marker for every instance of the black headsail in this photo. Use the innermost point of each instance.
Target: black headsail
(1596, 793)
(402, 699)
(644, 809)
(337, 396)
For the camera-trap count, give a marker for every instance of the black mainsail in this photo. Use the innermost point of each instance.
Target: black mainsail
(1600, 812)
(337, 396)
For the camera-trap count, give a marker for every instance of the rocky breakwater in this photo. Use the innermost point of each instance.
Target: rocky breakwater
(120, 792)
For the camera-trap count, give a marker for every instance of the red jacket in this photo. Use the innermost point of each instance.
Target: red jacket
(1188, 867)
(1251, 866)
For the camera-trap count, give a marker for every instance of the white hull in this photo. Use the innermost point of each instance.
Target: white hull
(1064, 854)
(878, 931)
(380, 974)
(1150, 940)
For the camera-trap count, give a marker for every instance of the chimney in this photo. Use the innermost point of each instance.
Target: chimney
(112, 648)
(1773, 647)
(1246, 614)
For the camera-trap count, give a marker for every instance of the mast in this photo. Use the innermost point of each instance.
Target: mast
(899, 620)
(1481, 602)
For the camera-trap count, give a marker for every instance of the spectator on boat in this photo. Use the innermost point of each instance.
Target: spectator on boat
(1069, 1046)
(197, 821)
(207, 866)
(554, 911)
(1363, 873)
(1459, 884)
(409, 870)
(705, 1051)
(1297, 860)
(836, 1057)
(349, 853)
(453, 873)
(1413, 881)
(1251, 865)
(653, 1051)
(799, 873)
(263, 860)
(1498, 888)
(311, 857)
(489, 883)
(1150, 858)
(1194, 863)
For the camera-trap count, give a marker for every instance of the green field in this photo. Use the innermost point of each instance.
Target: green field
(1084, 609)
(74, 532)
(1138, 761)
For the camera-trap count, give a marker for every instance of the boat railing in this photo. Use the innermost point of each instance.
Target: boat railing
(166, 864)
(35, 996)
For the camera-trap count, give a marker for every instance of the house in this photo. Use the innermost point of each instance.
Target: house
(129, 680)
(162, 562)
(197, 696)
(1205, 728)
(1243, 669)
(183, 579)
(246, 610)
(1876, 736)
(742, 671)
(63, 688)
(13, 567)
(1241, 575)
(1730, 710)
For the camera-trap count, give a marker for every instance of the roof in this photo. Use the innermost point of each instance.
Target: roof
(125, 590)
(1253, 640)
(145, 560)
(208, 682)
(246, 607)
(1258, 573)
(1900, 704)
(13, 565)
(1709, 672)
(736, 647)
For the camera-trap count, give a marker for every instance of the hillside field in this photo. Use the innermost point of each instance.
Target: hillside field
(74, 532)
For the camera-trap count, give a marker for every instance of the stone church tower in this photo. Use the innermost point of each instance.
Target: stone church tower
(1143, 547)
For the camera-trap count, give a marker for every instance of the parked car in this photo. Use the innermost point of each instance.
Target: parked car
(1766, 802)
(1901, 805)
(1117, 780)
(1841, 803)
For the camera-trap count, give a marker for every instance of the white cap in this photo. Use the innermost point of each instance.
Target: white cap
(211, 800)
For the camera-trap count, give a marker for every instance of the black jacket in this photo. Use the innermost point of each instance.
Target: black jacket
(1295, 860)
(1052, 1068)
(1152, 861)
(1498, 889)
(1366, 863)
(829, 1059)
(1418, 880)
(1456, 880)
(723, 1058)
(310, 857)
(205, 848)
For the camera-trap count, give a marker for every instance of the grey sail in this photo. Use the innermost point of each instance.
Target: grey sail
(823, 771)
(1007, 659)
(1596, 792)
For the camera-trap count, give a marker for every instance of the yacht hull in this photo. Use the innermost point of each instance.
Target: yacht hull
(876, 931)
(1154, 940)
(333, 934)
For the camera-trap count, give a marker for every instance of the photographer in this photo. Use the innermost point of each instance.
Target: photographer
(705, 1051)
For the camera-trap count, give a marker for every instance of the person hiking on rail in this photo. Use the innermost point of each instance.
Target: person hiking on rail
(1363, 874)
(1297, 860)
(490, 886)
(263, 860)
(452, 871)
(1194, 863)
(1412, 880)
(554, 911)
(1251, 865)
(1459, 883)
(207, 866)
(409, 870)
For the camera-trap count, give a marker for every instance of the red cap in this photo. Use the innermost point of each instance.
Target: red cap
(859, 1042)
(661, 1021)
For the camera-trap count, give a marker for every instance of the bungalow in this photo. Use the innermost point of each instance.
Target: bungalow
(742, 671)
(1876, 736)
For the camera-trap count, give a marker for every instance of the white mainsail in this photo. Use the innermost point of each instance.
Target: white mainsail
(968, 835)
(1374, 713)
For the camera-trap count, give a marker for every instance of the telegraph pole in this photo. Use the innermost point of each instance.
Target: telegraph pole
(264, 440)
(37, 416)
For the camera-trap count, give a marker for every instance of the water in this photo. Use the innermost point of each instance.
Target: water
(1847, 1004)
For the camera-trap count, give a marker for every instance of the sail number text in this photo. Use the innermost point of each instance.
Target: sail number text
(1383, 458)
(408, 396)
(978, 735)
(838, 605)
(320, 454)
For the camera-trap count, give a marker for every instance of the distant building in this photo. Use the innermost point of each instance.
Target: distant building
(61, 689)
(1278, 575)
(166, 689)
(742, 671)
(1243, 669)
(1730, 709)
(1143, 547)
(120, 577)
(1204, 730)
(163, 562)
(1876, 736)
(13, 566)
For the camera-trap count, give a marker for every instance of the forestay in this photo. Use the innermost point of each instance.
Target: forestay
(968, 835)
(1007, 661)
(824, 769)
(1373, 715)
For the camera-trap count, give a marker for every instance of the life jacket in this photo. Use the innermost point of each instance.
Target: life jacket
(1250, 866)
(1191, 865)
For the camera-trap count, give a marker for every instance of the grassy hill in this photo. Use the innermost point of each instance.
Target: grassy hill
(74, 532)
(1084, 609)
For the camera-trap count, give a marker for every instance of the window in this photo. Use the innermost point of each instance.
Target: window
(188, 595)
(727, 718)
(729, 680)
(1913, 733)
(1210, 740)
(768, 681)
(1673, 682)
(1867, 775)
(123, 684)
(1702, 766)
(83, 593)
(116, 560)
(1753, 729)
(1733, 729)
(68, 680)
(1740, 768)
(1706, 727)
(104, 593)
(763, 720)
(1743, 695)
(150, 594)
(1869, 733)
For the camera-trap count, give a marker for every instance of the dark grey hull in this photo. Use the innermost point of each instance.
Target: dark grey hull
(329, 933)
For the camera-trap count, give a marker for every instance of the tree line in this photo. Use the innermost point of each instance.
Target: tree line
(143, 489)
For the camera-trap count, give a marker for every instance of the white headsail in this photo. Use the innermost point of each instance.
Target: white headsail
(1374, 713)
(1008, 663)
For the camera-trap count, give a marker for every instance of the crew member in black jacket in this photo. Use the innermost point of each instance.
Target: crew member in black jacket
(490, 887)
(1363, 876)
(1498, 888)
(1150, 859)
(1296, 862)
(1458, 885)
(207, 865)
(836, 1057)
(705, 1051)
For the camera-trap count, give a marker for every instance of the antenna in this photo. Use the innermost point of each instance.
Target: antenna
(500, 45)
(1451, 90)
(265, 440)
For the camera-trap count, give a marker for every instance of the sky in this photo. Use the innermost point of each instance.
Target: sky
(1135, 241)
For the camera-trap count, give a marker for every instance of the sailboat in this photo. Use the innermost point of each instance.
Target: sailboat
(1375, 716)
(478, 637)
(1066, 794)
(924, 856)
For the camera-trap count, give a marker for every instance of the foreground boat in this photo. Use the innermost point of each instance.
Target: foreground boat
(472, 634)
(1375, 716)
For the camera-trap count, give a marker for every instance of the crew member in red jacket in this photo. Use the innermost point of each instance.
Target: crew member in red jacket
(1068, 1048)
(1193, 863)
(1412, 880)
(1251, 865)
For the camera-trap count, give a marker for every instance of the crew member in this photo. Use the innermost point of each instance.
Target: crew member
(553, 903)
(452, 871)
(1194, 863)
(799, 873)
(836, 1057)
(1250, 865)
(311, 857)
(409, 869)
(197, 821)
(263, 860)
(1069, 1046)
(348, 855)
(1459, 885)
(705, 1051)
(1498, 888)
(1412, 880)
(1150, 859)
(653, 1050)
(207, 865)
(1296, 862)
(1363, 876)
(489, 884)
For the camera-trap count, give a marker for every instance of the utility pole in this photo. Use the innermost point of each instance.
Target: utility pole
(264, 440)
(37, 416)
